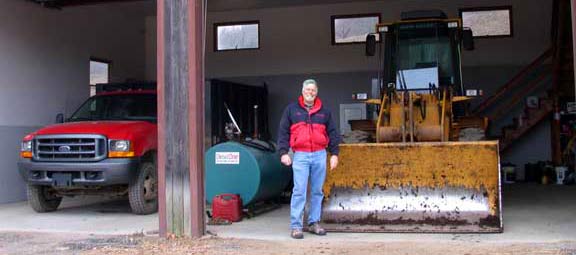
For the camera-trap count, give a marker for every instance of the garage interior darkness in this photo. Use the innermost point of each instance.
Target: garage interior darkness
(45, 70)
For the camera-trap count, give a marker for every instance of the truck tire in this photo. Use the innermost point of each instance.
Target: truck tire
(143, 190)
(43, 198)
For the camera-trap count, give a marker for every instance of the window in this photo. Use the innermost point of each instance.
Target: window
(118, 107)
(488, 21)
(353, 28)
(237, 35)
(99, 73)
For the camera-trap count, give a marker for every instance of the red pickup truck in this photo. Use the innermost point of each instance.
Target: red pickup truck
(108, 146)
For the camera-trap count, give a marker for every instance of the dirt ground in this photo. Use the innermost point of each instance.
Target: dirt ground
(54, 243)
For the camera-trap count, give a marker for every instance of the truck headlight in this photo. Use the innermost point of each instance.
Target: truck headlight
(26, 149)
(120, 149)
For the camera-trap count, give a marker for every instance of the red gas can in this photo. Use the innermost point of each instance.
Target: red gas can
(227, 207)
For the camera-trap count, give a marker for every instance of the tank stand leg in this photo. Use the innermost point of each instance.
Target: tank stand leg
(260, 208)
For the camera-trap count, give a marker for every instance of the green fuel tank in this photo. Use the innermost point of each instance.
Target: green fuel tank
(251, 169)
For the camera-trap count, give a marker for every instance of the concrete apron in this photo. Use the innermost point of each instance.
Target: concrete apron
(532, 214)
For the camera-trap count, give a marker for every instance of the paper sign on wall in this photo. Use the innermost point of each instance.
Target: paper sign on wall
(227, 158)
(571, 107)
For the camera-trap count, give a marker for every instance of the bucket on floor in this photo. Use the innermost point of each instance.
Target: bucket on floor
(560, 174)
(227, 207)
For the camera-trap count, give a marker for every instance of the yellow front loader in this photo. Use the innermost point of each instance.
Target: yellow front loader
(417, 177)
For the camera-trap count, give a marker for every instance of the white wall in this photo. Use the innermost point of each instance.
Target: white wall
(44, 67)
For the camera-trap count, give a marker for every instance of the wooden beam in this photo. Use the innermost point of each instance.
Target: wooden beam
(181, 117)
(196, 27)
(162, 217)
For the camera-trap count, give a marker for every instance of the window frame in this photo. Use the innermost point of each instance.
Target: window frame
(101, 60)
(491, 8)
(333, 19)
(233, 23)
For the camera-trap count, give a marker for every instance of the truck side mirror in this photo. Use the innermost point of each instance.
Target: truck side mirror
(370, 45)
(467, 39)
(59, 118)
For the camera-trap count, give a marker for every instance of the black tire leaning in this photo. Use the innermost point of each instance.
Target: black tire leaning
(143, 190)
(43, 198)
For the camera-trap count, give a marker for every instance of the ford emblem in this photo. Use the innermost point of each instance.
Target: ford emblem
(64, 148)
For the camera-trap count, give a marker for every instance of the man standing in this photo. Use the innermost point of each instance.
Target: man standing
(308, 128)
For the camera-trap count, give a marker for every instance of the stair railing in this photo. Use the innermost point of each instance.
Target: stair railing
(514, 83)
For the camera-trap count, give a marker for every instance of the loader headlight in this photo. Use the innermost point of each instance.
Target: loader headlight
(26, 149)
(120, 149)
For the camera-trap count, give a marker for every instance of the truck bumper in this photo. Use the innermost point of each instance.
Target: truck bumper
(101, 173)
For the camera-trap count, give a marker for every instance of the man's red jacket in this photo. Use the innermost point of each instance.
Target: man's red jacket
(307, 130)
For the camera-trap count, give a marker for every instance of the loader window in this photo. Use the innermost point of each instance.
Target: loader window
(426, 45)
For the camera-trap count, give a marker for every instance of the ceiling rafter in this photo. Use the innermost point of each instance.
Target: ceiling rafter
(59, 4)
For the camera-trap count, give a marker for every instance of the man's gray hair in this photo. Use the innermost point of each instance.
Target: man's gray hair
(309, 82)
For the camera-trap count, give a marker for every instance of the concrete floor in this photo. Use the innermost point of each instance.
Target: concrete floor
(532, 213)
(83, 215)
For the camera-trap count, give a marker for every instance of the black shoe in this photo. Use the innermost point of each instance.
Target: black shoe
(316, 229)
(297, 234)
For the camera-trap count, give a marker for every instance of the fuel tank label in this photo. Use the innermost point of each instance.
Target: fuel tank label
(227, 158)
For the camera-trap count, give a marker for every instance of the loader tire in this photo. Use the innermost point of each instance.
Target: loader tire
(43, 198)
(143, 190)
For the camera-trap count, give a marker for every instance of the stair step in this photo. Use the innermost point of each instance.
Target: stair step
(530, 112)
(511, 133)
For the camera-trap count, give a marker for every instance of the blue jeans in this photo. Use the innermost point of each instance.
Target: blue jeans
(304, 165)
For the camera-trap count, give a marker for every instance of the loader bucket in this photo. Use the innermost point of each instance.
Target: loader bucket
(451, 187)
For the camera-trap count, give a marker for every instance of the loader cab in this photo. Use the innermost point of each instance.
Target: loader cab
(422, 52)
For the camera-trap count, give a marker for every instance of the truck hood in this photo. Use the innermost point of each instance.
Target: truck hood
(110, 129)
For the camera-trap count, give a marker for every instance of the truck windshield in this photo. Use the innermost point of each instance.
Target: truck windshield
(117, 107)
(426, 45)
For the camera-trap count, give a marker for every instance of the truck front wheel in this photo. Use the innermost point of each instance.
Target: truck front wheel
(43, 198)
(143, 190)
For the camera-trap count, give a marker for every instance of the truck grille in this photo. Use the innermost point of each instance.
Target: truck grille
(70, 148)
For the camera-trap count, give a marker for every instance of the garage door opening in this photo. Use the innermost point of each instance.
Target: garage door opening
(59, 55)
(288, 55)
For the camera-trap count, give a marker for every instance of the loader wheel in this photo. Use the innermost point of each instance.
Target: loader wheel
(143, 190)
(43, 198)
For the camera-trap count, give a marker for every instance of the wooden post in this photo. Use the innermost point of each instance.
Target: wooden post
(559, 43)
(181, 116)
(573, 12)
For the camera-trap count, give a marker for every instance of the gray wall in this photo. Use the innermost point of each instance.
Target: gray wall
(334, 89)
(535, 146)
(296, 43)
(297, 40)
(44, 68)
(12, 188)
